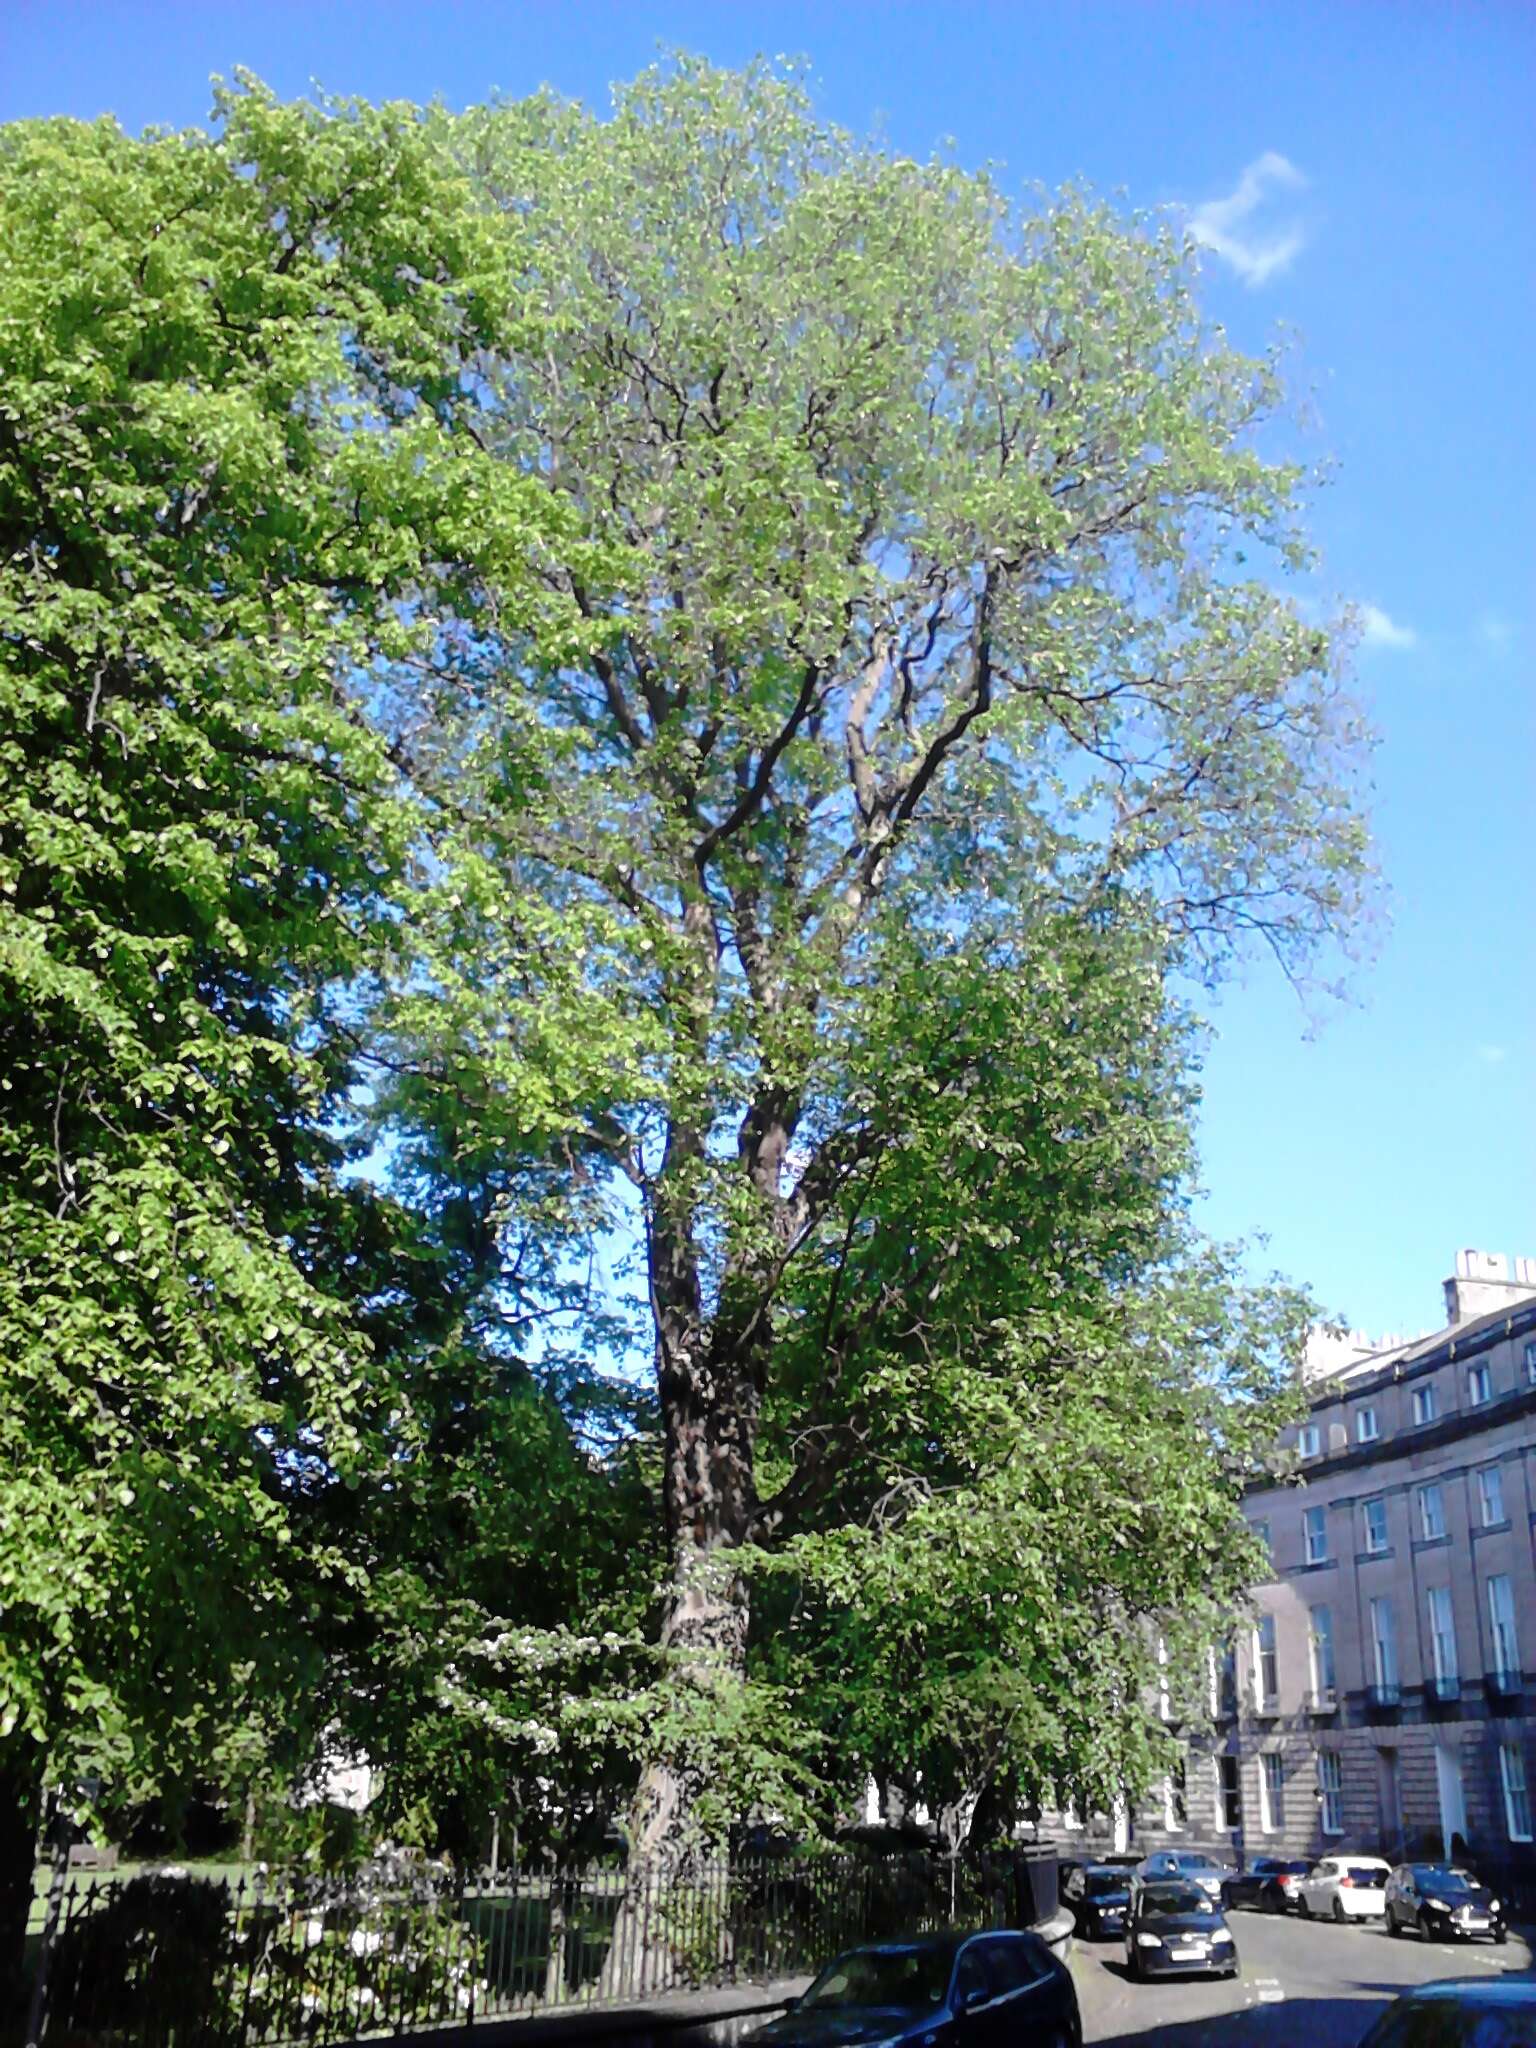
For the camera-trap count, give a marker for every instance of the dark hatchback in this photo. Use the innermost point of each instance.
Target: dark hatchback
(1003, 1990)
(1099, 1898)
(1443, 1904)
(1478, 2013)
(1175, 1931)
(1269, 1883)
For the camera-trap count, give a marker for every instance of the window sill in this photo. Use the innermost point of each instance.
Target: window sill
(1429, 1543)
(1492, 1528)
(1382, 1556)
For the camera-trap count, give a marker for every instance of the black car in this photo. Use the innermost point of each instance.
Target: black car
(1477, 2012)
(1269, 1883)
(1099, 1897)
(1443, 1903)
(1003, 1990)
(1175, 1931)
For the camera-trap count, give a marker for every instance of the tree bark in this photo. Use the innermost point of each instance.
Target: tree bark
(21, 1800)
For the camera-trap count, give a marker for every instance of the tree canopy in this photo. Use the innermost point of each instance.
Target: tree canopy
(679, 681)
(945, 647)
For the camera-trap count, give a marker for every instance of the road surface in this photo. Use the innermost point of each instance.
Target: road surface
(1303, 1984)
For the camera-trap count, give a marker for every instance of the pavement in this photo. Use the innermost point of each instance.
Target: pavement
(1302, 1984)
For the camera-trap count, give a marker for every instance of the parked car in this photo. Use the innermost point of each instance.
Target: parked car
(949, 1990)
(1175, 1930)
(1191, 1864)
(1098, 1896)
(1269, 1883)
(1348, 1887)
(1472, 2012)
(1442, 1904)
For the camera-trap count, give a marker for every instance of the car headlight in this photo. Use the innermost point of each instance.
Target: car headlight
(1493, 1905)
(1219, 1937)
(1149, 1941)
(1437, 1905)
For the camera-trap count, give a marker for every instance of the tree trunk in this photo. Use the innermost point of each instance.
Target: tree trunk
(710, 1400)
(710, 1415)
(21, 1799)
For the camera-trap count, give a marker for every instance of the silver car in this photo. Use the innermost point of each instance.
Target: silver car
(1194, 1866)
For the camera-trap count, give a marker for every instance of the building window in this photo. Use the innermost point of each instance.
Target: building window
(1266, 1663)
(1431, 1513)
(1322, 1652)
(1424, 1404)
(1479, 1386)
(1517, 1801)
(1271, 1793)
(1374, 1516)
(1366, 1430)
(1261, 1530)
(1530, 1362)
(1490, 1495)
(1175, 1800)
(1501, 1628)
(1229, 1793)
(1314, 1524)
(1224, 1684)
(1442, 1633)
(1331, 1787)
(1383, 1646)
(1308, 1441)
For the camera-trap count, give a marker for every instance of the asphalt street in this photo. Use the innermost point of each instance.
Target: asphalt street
(1303, 1984)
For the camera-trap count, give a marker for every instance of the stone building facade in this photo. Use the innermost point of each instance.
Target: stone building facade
(1384, 1698)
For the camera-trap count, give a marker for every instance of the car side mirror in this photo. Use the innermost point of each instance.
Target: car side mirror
(974, 1996)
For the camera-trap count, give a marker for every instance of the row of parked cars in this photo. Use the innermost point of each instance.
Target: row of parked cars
(1170, 1908)
(1437, 1901)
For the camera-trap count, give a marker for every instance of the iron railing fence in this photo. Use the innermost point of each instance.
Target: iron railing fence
(171, 1961)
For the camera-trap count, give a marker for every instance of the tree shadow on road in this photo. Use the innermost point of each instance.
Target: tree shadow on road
(1291, 2023)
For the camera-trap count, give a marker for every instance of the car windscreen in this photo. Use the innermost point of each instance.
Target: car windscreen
(1173, 1898)
(910, 1978)
(1194, 1863)
(1101, 1883)
(1431, 1879)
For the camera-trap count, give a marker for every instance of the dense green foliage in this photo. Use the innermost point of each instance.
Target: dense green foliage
(232, 481)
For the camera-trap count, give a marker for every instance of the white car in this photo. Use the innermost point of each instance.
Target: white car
(1347, 1887)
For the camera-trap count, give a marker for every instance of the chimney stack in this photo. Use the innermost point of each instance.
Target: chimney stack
(1485, 1281)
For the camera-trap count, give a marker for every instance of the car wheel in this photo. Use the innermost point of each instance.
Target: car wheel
(1277, 1901)
(1392, 1925)
(1302, 1907)
(1500, 1938)
(1426, 1932)
(1338, 1911)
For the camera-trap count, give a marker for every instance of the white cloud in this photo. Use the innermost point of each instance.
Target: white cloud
(1224, 226)
(1381, 630)
(1493, 1055)
(1495, 635)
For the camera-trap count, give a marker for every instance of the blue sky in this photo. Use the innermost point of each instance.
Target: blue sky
(1364, 174)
